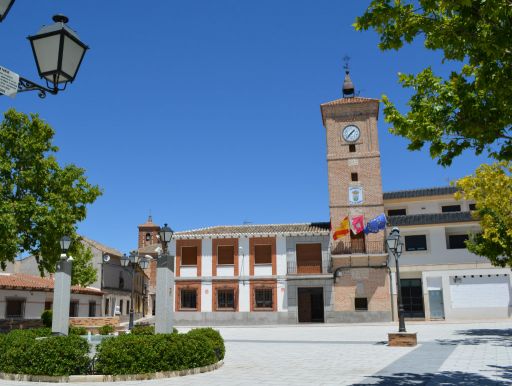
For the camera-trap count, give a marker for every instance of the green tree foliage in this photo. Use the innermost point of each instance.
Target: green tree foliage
(491, 188)
(83, 272)
(39, 200)
(472, 107)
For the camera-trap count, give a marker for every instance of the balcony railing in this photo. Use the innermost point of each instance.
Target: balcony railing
(358, 246)
(309, 268)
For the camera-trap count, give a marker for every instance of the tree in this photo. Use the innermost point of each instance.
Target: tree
(40, 201)
(491, 188)
(83, 272)
(472, 107)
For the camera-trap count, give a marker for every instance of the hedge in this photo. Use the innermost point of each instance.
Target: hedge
(106, 329)
(146, 329)
(214, 337)
(139, 354)
(46, 317)
(77, 330)
(22, 353)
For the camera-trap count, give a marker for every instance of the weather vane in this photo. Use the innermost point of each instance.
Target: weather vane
(346, 59)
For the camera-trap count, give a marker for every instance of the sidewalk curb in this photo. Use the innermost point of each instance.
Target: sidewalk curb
(109, 378)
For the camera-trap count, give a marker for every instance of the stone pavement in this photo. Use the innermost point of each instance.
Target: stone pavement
(447, 354)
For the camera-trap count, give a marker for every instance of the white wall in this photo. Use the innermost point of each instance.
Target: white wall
(226, 270)
(424, 205)
(281, 255)
(282, 296)
(243, 256)
(244, 297)
(206, 296)
(263, 270)
(206, 262)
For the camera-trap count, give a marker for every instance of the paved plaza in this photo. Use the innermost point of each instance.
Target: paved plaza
(447, 354)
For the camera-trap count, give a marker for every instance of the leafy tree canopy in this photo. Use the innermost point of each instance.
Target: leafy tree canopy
(40, 201)
(491, 188)
(472, 107)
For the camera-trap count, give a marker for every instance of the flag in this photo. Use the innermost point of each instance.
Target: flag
(375, 225)
(357, 224)
(342, 230)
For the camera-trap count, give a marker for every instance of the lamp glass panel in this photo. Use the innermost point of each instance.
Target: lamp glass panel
(125, 260)
(65, 242)
(71, 56)
(4, 4)
(392, 241)
(144, 263)
(47, 53)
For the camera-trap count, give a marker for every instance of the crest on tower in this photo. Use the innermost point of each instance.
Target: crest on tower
(348, 86)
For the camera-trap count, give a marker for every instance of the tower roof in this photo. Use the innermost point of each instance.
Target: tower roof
(330, 108)
(348, 86)
(149, 223)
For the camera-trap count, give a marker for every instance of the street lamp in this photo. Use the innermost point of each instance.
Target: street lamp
(62, 289)
(65, 242)
(395, 246)
(132, 262)
(165, 237)
(5, 6)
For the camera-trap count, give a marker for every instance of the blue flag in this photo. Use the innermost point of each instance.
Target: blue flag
(375, 225)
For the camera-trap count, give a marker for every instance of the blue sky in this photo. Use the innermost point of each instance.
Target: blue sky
(207, 112)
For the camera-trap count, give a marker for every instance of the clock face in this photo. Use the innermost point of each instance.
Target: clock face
(351, 133)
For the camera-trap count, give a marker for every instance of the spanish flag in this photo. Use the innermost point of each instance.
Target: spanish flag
(342, 230)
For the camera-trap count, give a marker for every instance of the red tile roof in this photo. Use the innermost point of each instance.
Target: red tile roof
(23, 281)
(349, 100)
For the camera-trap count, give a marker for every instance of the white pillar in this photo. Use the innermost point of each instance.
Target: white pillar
(61, 298)
(164, 294)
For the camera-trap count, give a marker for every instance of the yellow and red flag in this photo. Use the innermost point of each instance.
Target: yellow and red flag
(342, 230)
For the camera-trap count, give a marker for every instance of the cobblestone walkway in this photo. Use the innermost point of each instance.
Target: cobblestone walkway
(447, 354)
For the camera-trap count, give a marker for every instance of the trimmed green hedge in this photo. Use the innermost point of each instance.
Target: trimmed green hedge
(214, 337)
(141, 329)
(139, 354)
(22, 353)
(106, 329)
(77, 330)
(46, 317)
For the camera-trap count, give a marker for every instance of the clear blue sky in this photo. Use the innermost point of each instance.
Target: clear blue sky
(207, 112)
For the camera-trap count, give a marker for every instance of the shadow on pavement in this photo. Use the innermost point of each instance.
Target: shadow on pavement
(444, 378)
(496, 337)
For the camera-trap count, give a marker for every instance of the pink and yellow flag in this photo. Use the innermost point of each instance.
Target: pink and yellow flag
(357, 224)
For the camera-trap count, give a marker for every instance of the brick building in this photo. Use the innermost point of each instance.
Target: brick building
(289, 273)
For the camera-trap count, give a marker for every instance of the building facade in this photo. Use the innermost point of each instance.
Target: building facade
(294, 273)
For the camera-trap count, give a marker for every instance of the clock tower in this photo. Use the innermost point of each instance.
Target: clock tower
(355, 189)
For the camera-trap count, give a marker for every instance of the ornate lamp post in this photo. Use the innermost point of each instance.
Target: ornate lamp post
(165, 284)
(132, 262)
(58, 52)
(5, 6)
(395, 246)
(62, 290)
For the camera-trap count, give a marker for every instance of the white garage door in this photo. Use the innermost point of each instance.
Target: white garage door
(477, 292)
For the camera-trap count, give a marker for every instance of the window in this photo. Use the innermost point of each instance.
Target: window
(263, 298)
(309, 258)
(92, 309)
(73, 309)
(107, 306)
(188, 299)
(148, 236)
(262, 254)
(457, 241)
(188, 255)
(352, 148)
(225, 254)
(450, 208)
(127, 307)
(397, 212)
(361, 304)
(15, 308)
(416, 243)
(153, 310)
(121, 306)
(226, 299)
(472, 206)
(354, 176)
(48, 305)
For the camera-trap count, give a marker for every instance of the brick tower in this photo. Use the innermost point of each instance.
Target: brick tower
(355, 188)
(148, 233)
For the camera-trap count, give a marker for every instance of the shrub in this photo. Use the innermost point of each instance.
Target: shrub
(106, 329)
(135, 354)
(141, 329)
(214, 337)
(22, 353)
(77, 330)
(46, 317)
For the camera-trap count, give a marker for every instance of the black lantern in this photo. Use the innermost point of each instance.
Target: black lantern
(65, 242)
(58, 52)
(144, 263)
(5, 6)
(125, 260)
(166, 234)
